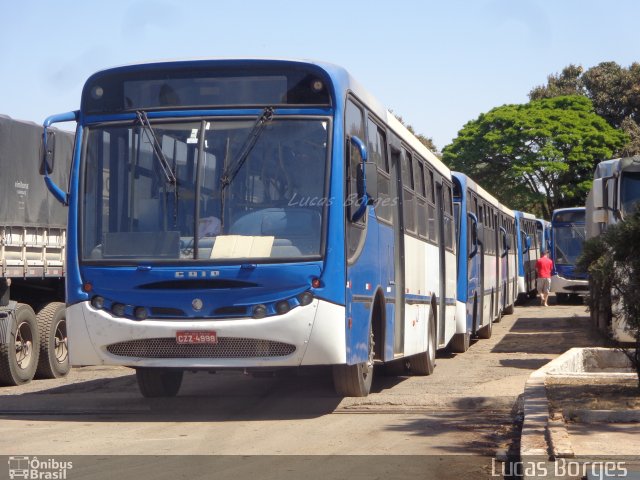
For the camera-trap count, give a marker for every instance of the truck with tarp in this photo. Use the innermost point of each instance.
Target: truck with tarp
(33, 339)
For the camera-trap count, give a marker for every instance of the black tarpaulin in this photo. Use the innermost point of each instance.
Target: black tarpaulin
(24, 197)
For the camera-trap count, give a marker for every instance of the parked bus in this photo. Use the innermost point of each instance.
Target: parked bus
(567, 242)
(486, 262)
(509, 260)
(543, 232)
(528, 251)
(252, 214)
(615, 194)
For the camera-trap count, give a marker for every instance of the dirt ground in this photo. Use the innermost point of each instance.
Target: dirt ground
(470, 407)
(564, 399)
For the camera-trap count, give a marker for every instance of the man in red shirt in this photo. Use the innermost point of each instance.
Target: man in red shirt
(544, 266)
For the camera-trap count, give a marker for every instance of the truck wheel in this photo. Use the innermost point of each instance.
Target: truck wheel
(54, 355)
(19, 355)
(355, 380)
(158, 382)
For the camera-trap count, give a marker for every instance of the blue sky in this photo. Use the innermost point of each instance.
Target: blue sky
(438, 64)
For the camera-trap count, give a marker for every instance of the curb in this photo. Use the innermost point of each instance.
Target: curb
(544, 439)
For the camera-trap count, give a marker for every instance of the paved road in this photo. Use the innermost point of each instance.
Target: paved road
(470, 406)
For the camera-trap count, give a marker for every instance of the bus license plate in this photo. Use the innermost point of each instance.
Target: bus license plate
(196, 337)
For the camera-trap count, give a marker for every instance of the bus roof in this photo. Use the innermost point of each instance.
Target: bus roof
(608, 168)
(343, 83)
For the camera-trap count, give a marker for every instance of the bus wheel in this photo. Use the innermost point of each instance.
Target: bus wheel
(54, 355)
(158, 382)
(424, 363)
(460, 342)
(355, 380)
(561, 298)
(486, 331)
(509, 309)
(19, 354)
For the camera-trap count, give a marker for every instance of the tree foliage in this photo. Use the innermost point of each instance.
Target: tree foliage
(568, 82)
(426, 141)
(614, 91)
(536, 156)
(612, 261)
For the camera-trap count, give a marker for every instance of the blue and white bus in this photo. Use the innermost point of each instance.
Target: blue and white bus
(543, 233)
(486, 260)
(252, 214)
(568, 233)
(508, 260)
(529, 235)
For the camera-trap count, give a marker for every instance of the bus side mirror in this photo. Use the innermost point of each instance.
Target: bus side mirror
(47, 149)
(527, 242)
(474, 234)
(365, 171)
(598, 193)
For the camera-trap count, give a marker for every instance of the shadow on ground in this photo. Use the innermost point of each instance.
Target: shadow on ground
(202, 397)
(488, 430)
(548, 335)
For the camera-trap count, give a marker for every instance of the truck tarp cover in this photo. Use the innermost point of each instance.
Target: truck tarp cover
(24, 197)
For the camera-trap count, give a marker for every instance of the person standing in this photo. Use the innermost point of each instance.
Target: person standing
(544, 266)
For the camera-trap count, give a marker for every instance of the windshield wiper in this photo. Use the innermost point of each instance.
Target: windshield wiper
(155, 145)
(234, 167)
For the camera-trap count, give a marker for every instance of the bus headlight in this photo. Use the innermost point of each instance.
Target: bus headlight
(97, 302)
(259, 311)
(305, 298)
(117, 309)
(140, 313)
(282, 307)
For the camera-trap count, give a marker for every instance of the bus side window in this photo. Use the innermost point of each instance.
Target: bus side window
(354, 125)
(377, 150)
(432, 230)
(409, 206)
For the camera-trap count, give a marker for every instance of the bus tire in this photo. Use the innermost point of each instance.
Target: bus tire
(486, 331)
(19, 354)
(509, 309)
(460, 342)
(561, 298)
(424, 363)
(355, 380)
(158, 382)
(54, 354)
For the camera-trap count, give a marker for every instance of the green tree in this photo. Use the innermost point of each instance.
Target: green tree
(614, 91)
(537, 156)
(568, 82)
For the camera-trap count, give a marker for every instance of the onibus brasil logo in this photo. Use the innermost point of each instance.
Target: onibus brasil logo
(36, 469)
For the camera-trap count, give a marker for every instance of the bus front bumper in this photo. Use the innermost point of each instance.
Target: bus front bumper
(309, 335)
(570, 286)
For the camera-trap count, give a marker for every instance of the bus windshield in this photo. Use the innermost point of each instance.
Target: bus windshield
(568, 243)
(174, 200)
(630, 194)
